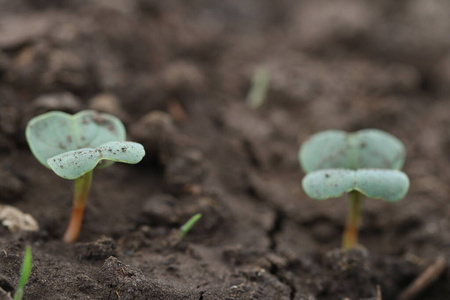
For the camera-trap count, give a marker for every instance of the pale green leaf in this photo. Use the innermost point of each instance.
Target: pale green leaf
(325, 150)
(56, 132)
(388, 185)
(74, 164)
(377, 149)
(369, 148)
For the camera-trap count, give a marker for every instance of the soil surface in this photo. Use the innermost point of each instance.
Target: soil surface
(177, 73)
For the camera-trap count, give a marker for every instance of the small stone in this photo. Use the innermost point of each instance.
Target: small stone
(16, 221)
(98, 250)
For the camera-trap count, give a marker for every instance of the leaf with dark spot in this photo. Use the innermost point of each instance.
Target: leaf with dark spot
(389, 185)
(87, 159)
(56, 132)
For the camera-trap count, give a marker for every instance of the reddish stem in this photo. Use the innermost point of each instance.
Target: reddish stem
(82, 186)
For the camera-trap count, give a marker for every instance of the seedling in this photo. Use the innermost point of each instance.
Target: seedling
(366, 162)
(73, 146)
(259, 88)
(188, 225)
(24, 274)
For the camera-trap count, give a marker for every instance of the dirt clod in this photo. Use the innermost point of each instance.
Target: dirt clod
(98, 250)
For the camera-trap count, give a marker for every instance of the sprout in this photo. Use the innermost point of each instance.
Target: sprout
(188, 225)
(259, 88)
(24, 274)
(72, 146)
(362, 163)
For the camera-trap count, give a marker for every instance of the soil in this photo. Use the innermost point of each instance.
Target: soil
(177, 73)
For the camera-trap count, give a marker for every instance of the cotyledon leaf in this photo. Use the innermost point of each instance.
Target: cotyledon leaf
(368, 148)
(388, 185)
(74, 164)
(325, 150)
(56, 132)
(377, 149)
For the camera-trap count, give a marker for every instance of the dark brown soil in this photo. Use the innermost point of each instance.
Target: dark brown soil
(177, 73)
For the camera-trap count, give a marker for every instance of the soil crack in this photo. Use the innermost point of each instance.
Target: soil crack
(275, 271)
(278, 225)
(201, 296)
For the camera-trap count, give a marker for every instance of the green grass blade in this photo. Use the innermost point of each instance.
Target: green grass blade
(25, 273)
(188, 225)
(259, 88)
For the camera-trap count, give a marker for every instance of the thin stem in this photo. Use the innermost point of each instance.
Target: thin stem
(82, 186)
(350, 238)
(24, 274)
(188, 225)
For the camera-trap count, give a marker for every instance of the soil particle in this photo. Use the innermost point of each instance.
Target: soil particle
(98, 250)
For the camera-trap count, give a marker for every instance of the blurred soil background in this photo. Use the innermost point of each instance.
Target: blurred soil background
(177, 73)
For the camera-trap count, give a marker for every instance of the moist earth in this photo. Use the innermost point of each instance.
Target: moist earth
(178, 73)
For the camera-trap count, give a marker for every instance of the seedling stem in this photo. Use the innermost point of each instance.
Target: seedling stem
(82, 187)
(350, 238)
